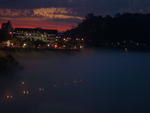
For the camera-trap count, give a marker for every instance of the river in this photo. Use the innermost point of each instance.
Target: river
(87, 81)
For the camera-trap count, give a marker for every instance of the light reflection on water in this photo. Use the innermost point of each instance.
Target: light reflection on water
(90, 81)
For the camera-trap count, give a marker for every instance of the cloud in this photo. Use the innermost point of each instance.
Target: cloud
(56, 13)
(49, 13)
(15, 12)
(49, 18)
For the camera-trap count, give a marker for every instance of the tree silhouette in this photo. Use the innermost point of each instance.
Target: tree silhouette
(98, 29)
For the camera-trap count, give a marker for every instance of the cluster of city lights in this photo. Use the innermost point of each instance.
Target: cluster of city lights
(34, 39)
(126, 45)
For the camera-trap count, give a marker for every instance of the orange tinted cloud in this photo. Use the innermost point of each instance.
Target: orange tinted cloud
(50, 18)
(51, 13)
(56, 13)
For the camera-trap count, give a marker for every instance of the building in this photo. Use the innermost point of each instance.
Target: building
(6, 32)
(7, 27)
(36, 34)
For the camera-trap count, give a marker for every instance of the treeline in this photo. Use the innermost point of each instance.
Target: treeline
(121, 27)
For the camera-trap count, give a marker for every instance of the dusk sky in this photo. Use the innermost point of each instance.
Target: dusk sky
(63, 14)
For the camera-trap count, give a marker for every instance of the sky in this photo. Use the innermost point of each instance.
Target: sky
(63, 14)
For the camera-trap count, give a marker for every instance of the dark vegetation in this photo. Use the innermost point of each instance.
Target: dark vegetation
(8, 64)
(122, 30)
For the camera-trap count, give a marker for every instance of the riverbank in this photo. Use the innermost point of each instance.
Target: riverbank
(8, 63)
(36, 49)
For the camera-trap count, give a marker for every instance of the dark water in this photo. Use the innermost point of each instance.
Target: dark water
(90, 81)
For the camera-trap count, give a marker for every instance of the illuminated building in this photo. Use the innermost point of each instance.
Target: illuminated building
(36, 34)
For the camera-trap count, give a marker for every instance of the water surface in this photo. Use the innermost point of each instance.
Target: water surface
(89, 81)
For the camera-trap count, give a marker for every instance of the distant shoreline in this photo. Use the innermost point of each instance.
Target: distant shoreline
(36, 49)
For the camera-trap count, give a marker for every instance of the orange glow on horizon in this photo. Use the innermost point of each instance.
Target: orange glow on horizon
(60, 27)
(63, 28)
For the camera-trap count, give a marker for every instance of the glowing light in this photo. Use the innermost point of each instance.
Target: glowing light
(75, 47)
(56, 46)
(12, 44)
(24, 45)
(41, 89)
(25, 92)
(10, 33)
(8, 97)
(81, 47)
(22, 83)
(8, 43)
(77, 39)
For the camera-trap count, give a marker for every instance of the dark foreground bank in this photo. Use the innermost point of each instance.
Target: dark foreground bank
(8, 63)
